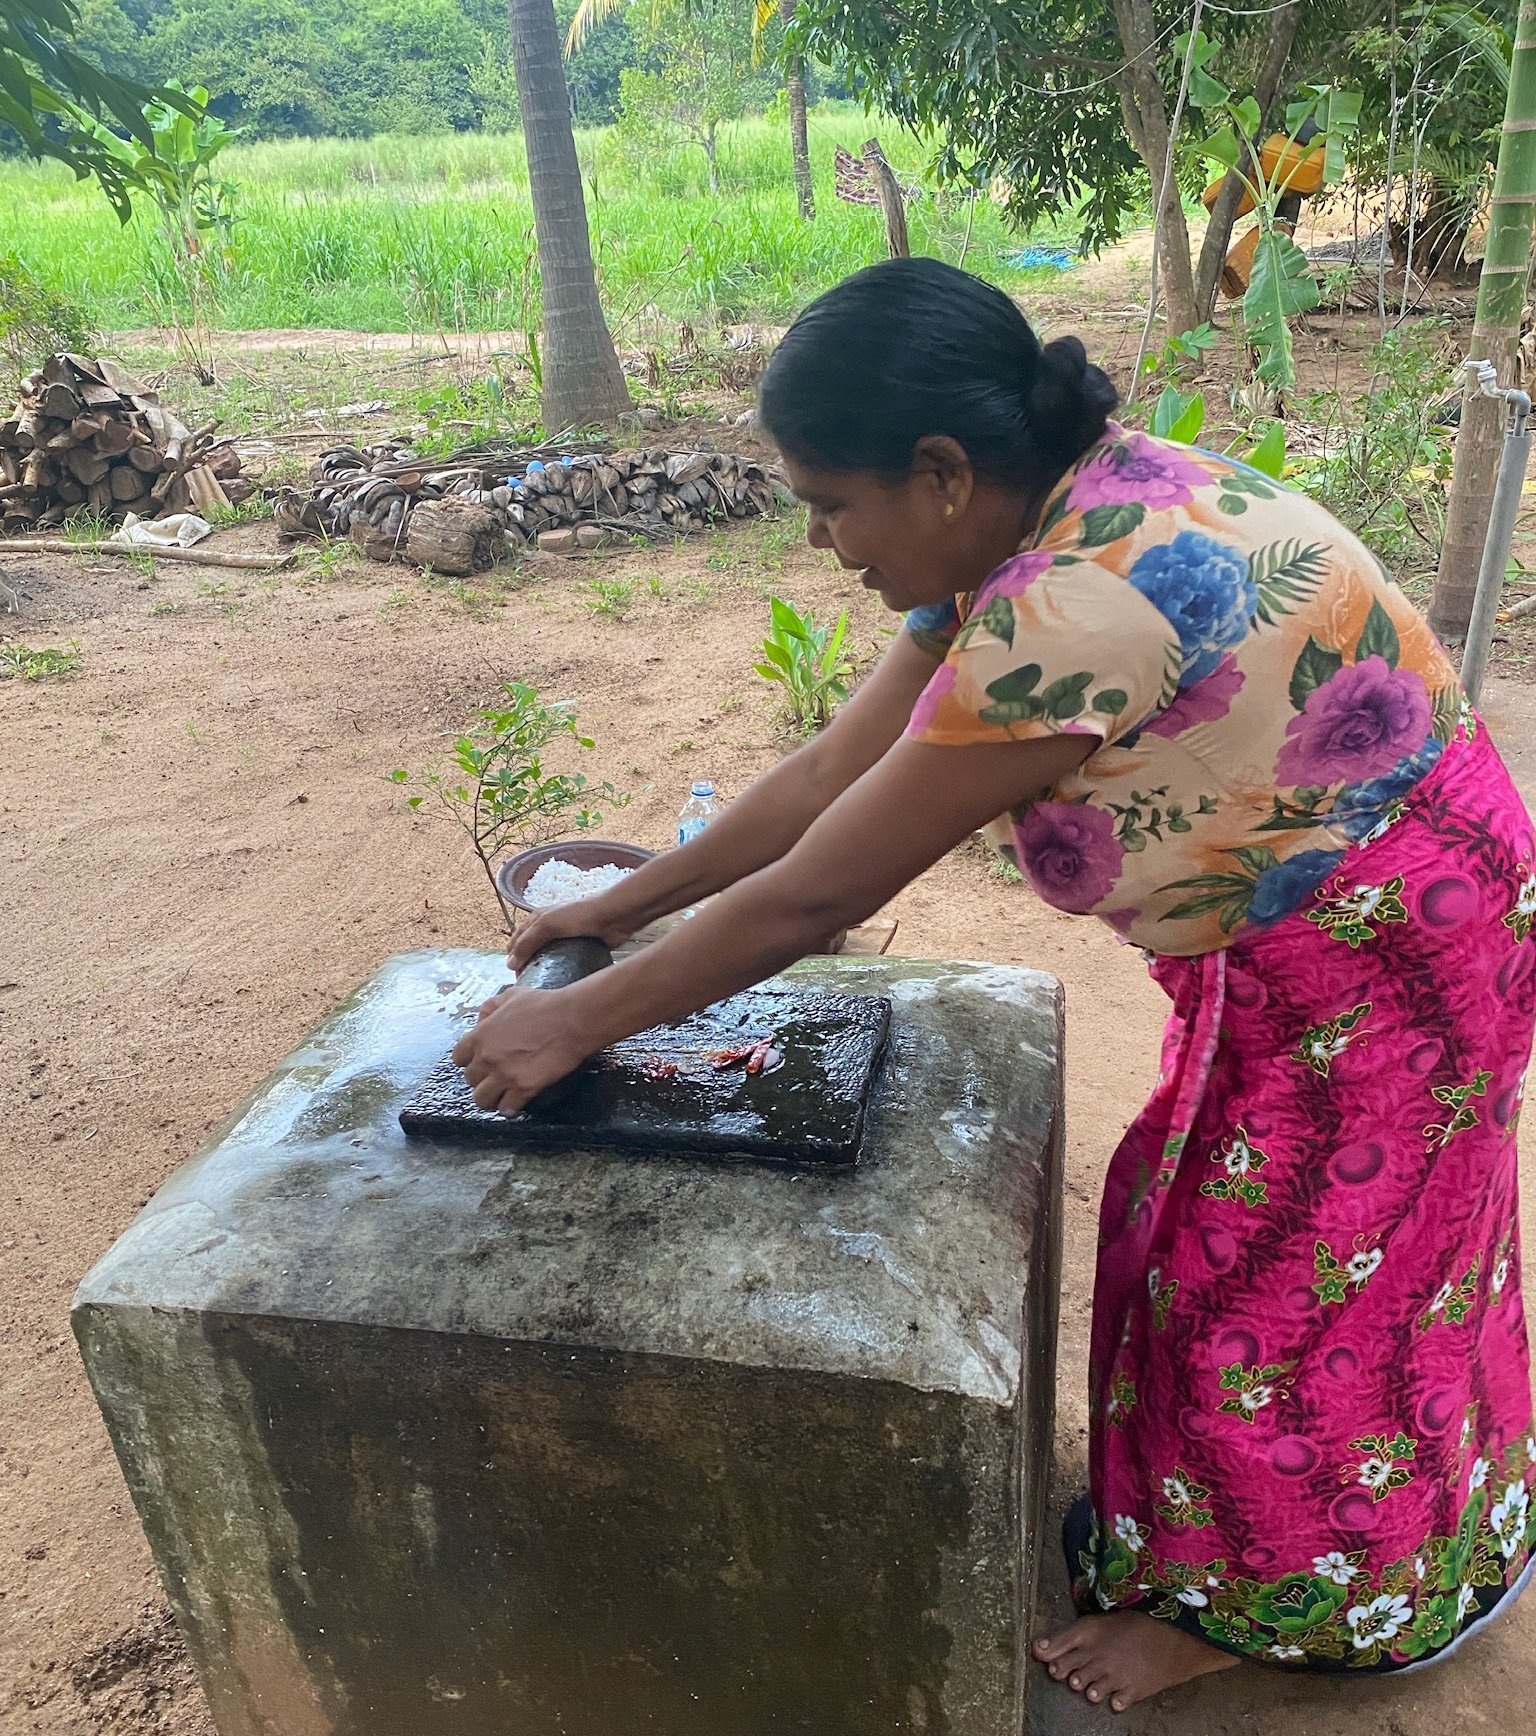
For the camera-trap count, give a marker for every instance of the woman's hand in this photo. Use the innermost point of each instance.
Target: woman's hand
(900, 818)
(522, 1041)
(587, 916)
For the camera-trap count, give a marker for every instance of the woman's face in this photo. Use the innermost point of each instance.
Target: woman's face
(930, 537)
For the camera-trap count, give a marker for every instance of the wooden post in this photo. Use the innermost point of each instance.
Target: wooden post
(890, 199)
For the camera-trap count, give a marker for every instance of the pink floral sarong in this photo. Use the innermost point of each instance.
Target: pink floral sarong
(1311, 1418)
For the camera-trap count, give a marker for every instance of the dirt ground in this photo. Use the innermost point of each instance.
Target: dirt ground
(200, 854)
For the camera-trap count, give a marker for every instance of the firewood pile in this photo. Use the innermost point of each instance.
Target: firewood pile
(460, 514)
(85, 436)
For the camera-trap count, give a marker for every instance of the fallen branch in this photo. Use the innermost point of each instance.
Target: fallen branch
(55, 545)
(426, 361)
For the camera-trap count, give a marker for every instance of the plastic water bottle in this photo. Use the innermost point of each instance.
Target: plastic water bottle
(697, 812)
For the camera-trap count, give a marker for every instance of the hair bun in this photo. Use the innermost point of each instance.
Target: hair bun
(911, 348)
(1070, 399)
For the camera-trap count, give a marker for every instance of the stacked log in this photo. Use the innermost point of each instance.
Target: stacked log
(85, 436)
(375, 497)
(454, 536)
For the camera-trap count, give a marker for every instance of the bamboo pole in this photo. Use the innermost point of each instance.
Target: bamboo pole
(1500, 297)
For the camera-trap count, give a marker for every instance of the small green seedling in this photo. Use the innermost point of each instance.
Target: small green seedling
(328, 556)
(609, 598)
(497, 788)
(21, 662)
(807, 662)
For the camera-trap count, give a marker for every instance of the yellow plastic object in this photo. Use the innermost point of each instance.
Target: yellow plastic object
(1238, 268)
(1292, 168)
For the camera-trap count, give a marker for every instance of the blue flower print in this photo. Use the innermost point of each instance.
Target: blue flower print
(1280, 890)
(934, 626)
(1204, 590)
(1360, 808)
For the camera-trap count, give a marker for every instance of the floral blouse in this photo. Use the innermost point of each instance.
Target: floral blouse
(1264, 694)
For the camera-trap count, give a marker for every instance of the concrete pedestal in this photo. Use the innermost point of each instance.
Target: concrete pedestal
(433, 1440)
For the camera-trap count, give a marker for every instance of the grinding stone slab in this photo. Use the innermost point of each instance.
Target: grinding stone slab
(810, 1110)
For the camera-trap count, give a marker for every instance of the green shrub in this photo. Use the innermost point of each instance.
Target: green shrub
(497, 786)
(35, 320)
(1386, 457)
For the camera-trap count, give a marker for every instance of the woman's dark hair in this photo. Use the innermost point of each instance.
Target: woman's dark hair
(914, 347)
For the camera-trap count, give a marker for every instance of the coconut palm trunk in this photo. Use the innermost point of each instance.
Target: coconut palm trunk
(1500, 296)
(583, 382)
(799, 139)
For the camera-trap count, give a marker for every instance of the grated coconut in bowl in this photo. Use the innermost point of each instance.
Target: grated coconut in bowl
(556, 882)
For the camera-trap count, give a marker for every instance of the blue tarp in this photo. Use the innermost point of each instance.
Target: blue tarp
(1051, 258)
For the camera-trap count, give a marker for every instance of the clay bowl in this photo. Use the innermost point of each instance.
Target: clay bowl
(513, 875)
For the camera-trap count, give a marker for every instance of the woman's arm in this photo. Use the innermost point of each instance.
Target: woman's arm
(902, 816)
(762, 824)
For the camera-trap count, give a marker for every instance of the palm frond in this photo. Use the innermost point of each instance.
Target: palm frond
(1485, 36)
(589, 14)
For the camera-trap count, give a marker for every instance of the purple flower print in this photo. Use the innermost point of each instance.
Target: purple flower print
(1070, 853)
(930, 699)
(1013, 577)
(1137, 470)
(1208, 701)
(1355, 726)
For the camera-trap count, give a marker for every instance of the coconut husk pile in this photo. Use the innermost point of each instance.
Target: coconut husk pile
(397, 507)
(85, 436)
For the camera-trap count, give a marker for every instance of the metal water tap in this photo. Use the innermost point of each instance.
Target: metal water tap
(1502, 514)
(1485, 378)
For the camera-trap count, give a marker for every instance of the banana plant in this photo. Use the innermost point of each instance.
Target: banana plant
(175, 163)
(807, 661)
(175, 166)
(1281, 284)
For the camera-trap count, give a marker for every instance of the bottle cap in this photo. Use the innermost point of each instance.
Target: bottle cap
(703, 787)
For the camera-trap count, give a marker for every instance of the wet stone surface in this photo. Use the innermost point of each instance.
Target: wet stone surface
(432, 1438)
(687, 1087)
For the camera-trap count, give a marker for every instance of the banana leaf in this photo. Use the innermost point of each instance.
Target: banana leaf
(1282, 285)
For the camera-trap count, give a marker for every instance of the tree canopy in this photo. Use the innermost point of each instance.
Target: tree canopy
(1023, 95)
(343, 68)
(45, 81)
(1066, 104)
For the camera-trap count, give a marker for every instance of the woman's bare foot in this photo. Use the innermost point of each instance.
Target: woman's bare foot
(1118, 1659)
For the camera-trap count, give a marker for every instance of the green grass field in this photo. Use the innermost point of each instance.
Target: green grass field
(405, 234)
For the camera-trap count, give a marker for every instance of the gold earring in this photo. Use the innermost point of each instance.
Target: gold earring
(949, 511)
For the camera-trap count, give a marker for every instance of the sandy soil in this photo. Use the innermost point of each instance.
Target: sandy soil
(199, 854)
